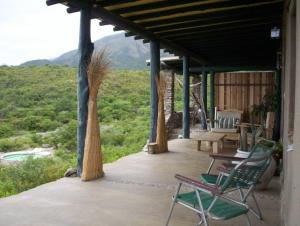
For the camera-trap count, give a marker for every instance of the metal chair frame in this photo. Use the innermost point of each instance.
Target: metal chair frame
(250, 190)
(217, 192)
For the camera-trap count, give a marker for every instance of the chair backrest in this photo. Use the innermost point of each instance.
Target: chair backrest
(227, 119)
(247, 172)
(263, 147)
(251, 169)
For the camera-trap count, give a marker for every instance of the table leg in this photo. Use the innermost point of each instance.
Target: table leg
(216, 147)
(221, 144)
(243, 141)
(199, 145)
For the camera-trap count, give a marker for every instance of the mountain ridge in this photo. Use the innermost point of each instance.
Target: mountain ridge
(123, 52)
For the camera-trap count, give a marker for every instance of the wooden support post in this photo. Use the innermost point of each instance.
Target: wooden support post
(276, 132)
(204, 94)
(212, 97)
(204, 89)
(85, 50)
(186, 97)
(154, 73)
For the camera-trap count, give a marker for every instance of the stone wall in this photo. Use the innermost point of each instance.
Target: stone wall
(174, 119)
(169, 95)
(195, 99)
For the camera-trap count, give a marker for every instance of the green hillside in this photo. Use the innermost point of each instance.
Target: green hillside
(43, 99)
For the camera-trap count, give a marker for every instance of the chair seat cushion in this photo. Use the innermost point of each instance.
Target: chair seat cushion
(221, 210)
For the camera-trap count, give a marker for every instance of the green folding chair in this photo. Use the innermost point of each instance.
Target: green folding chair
(246, 188)
(211, 201)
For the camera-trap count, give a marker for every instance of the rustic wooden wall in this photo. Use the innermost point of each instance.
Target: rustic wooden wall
(242, 90)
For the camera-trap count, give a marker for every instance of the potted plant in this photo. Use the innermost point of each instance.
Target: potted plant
(268, 104)
(277, 155)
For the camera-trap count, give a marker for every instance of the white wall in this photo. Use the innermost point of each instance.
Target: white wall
(290, 206)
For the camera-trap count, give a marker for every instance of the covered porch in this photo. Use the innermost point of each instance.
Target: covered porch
(135, 191)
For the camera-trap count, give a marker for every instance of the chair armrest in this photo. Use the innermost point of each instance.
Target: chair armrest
(226, 167)
(226, 157)
(213, 189)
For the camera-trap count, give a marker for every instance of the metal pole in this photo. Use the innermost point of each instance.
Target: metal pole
(85, 50)
(276, 132)
(154, 73)
(212, 97)
(186, 97)
(204, 95)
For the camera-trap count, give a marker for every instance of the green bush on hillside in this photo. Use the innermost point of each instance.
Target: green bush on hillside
(5, 130)
(29, 174)
(44, 99)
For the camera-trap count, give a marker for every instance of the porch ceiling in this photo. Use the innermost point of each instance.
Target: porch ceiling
(212, 32)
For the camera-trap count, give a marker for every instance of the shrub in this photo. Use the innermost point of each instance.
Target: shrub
(5, 131)
(47, 125)
(29, 174)
(7, 144)
(65, 137)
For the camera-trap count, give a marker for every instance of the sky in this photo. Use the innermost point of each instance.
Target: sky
(29, 29)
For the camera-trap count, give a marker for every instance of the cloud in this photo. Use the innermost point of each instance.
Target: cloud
(31, 30)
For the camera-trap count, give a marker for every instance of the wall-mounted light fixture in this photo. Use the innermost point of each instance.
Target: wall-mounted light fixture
(275, 33)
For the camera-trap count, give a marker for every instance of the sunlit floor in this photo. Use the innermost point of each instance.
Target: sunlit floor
(135, 191)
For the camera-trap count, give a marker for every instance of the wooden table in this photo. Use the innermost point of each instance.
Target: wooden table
(235, 137)
(215, 138)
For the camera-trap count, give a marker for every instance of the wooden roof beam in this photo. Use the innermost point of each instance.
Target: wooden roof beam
(128, 34)
(211, 31)
(253, 11)
(152, 7)
(138, 37)
(225, 34)
(116, 28)
(72, 10)
(231, 5)
(138, 30)
(223, 24)
(228, 41)
(185, 8)
(228, 69)
(211, 21)
(112, 5)
(104, 23)
(53, 2)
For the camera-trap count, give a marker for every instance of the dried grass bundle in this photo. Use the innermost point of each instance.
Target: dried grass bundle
(161, 137)
(92, 161)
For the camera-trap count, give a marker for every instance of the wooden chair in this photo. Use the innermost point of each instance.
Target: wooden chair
(225, 121)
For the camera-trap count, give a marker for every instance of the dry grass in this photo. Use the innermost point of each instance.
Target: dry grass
(92, 161)
(161, 138)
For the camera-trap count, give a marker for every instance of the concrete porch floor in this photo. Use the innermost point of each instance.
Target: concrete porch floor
(136, 191)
